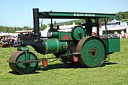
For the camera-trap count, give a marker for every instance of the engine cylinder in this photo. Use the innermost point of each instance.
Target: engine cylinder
(53, 34)
(54, 46)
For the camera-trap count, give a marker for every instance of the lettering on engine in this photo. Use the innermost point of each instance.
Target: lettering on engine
(65, 37)
(81, 14)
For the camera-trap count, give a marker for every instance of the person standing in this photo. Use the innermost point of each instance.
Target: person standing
(88, 26)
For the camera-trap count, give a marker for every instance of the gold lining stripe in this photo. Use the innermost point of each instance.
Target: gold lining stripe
(57, 46)
(46, 47)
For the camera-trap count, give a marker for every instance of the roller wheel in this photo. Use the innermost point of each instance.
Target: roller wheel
(22, 68)
(93, 51)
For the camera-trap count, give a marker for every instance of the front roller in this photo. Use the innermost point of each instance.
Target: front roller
(19, 63)
(92, 51)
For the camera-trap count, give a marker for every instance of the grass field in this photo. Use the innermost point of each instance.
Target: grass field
(113, 73)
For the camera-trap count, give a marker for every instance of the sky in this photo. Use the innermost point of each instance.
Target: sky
(18, 13)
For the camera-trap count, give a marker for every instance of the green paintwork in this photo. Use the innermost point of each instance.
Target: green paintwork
(89, 46)
(55, 34)
(73, 15)
(78, 33)
(54, 46)
(26, 49)
(65, 36)
(21, 48)
(26, 68)
(112, 44)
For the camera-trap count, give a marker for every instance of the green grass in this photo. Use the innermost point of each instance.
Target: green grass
(113, 73)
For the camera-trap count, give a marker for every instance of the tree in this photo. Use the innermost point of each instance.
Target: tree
(43, 27)
(27, 27)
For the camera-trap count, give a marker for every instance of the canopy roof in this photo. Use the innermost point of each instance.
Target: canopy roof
(73, 15)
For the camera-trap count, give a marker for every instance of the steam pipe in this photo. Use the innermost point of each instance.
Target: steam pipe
(36, 23)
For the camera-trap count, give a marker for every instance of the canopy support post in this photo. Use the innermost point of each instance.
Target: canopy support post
(106, 29)
(97, 22)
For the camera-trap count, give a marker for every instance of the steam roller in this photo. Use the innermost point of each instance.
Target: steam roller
(75, 47)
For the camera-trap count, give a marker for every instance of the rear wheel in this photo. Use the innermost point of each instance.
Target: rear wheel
(22, 68)
(93, 51)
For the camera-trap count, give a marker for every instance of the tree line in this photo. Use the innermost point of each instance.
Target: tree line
(7, 29)
(122, 16)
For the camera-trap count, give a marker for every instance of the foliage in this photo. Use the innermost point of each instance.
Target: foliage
(115, 72)
(80, 21)
(125, 20)
(71, 22)
(27, 27)
(7, 29)
(43, 27)
(122, 15)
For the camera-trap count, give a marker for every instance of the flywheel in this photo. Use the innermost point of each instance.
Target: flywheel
(78, 33)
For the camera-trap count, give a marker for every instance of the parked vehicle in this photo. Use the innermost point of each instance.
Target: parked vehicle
(75, 48)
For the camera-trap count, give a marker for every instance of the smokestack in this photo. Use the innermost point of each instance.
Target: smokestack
(36, 23)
